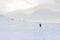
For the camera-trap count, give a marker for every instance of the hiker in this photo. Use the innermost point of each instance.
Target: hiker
(40, 25)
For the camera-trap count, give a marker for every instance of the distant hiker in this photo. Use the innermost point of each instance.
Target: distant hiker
(40, 25)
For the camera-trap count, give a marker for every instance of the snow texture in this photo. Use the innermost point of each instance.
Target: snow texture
(12, 29)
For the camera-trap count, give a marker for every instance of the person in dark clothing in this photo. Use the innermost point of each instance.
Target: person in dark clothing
(40, 25)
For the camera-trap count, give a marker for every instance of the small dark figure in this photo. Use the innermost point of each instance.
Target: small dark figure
(40, 25)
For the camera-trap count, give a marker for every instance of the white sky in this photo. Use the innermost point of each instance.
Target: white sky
(12, 5)
(23, 7)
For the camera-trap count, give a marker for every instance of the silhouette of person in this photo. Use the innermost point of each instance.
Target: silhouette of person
(40, 25)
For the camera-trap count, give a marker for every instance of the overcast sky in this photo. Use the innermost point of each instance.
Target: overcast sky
(11, 5)
(42, 10)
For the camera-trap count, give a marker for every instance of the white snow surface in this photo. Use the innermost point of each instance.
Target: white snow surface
(11, 29)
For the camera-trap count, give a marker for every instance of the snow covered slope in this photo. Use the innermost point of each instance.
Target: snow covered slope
(11, 29)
